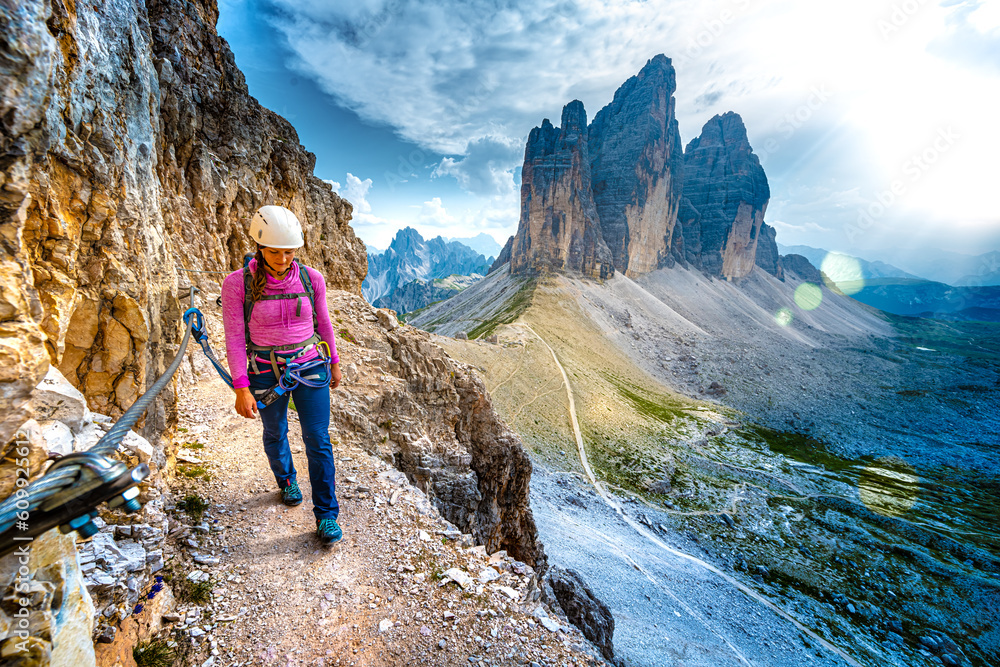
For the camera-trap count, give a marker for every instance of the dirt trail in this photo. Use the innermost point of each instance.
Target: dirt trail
(648, 535)
(280, 597)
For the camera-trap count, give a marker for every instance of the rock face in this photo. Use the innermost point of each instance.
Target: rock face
(133, 150)
(504, 256)
(559, 227)
(767, 256)
(411, 258)
(637, 162)
(431, 417)
(60, 614)
(643, 202)
(583, 609)
(726, 194)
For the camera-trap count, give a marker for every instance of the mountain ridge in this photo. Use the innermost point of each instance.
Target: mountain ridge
(410, 258)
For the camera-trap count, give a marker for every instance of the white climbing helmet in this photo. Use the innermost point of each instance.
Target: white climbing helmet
(276, 227)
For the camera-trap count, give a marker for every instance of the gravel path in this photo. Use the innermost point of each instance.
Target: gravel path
(280, 597)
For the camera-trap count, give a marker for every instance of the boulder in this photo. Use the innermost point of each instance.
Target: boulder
(56, 399)
(58, 437)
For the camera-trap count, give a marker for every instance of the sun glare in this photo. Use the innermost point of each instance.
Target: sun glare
(842, 272)
(808, 296)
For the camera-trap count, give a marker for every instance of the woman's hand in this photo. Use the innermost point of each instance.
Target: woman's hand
(246, 406)
(335, 376)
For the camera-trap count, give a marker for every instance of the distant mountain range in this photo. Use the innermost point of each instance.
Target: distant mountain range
(949, 267)
(941, 266)
(868, 269)
(889, 288)
(482, 243)
(407, 276)
(927, 298)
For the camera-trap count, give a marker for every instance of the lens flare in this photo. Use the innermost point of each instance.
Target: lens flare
(808, 296)
(843, 273)
(889, 486)
(783, 316)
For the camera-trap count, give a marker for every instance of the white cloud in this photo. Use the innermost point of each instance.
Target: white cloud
(470, 78)
(372, 229)
(805, 227)
(488, 167)
(433, 214)
(356, 192)
(497, 217)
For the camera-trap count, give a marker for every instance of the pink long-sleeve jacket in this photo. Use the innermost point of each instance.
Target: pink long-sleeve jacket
(273, 322)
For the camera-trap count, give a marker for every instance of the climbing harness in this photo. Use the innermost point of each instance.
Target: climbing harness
(69, 492)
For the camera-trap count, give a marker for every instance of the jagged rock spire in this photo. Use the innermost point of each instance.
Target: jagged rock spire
(559, 228)
(636, 165)
(726, 194)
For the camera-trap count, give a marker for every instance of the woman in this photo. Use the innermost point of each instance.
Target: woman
(271, 318)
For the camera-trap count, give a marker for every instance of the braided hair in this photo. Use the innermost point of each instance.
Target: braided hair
(259, 279)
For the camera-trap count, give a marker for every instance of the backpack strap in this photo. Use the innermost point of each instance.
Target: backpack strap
(310, 292)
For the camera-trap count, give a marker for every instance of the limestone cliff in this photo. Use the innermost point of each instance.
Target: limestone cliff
(132, 149)
(559, 227)
(637, 162)
(504, 255)
(726, 194)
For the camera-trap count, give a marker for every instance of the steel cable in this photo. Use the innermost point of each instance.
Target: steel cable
(48, 485)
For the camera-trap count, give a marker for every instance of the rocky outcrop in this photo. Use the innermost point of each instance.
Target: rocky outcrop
(431, 417)
(411, 258)
(133, 150)
(559, 229)
(583, 609)
(801, 267)
(45, 585)
(112, 572)
(767, 256)
(637, 162)
(726, 194)
(504, 255)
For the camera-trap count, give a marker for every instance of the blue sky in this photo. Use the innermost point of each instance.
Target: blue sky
(876, 121)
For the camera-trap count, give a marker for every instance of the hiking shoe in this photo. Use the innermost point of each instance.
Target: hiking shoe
(328, 531)
(291, 495)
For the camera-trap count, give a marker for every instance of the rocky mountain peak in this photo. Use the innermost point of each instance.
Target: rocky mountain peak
(636, 165)
(411, 259)
(574, 120)
(727, 131)
(406, 240)
(726, 195)
(559, 227)
(616, 193)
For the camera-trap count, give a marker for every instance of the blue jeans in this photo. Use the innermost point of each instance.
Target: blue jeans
(313, 407)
